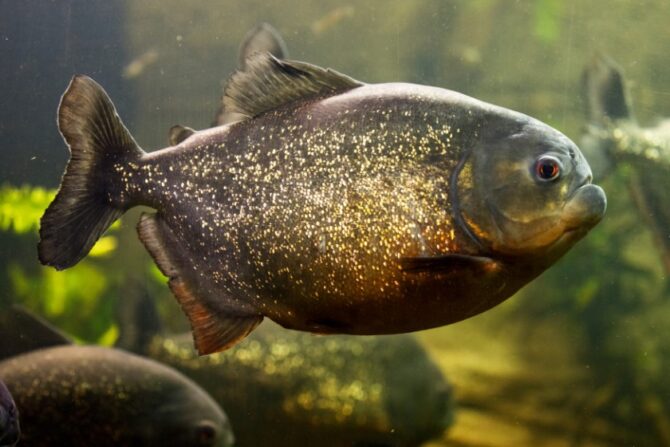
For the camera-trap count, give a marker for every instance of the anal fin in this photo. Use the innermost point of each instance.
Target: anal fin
(214, 330)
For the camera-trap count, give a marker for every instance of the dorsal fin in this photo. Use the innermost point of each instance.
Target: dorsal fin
(268, 83)
(262, 38)
(21, 332)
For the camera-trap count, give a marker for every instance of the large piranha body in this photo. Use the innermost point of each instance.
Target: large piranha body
(330, 205)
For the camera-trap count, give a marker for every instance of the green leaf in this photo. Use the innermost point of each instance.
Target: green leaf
(109, 337)
(104, 246)
(547, 19)
(587, 292)
(21, 208)
(156, 274)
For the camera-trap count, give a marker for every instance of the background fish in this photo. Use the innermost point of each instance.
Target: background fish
(334, 207)
(363, 391)
(302, 389)
(10, 431)
(613, 136)
(93, 396)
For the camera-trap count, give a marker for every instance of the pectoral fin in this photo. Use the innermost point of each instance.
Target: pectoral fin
(218, 321)
(448, 263)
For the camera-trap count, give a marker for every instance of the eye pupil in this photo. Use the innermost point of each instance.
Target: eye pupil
(547, 168)
(206, 434)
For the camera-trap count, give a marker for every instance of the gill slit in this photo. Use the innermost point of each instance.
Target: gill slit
(458, 216)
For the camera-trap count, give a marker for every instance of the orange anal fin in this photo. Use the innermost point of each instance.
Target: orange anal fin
(214, 330)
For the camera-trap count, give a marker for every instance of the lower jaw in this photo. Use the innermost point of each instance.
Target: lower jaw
(567, 240)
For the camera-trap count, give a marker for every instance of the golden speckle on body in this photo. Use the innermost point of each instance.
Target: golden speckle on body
(314, 211)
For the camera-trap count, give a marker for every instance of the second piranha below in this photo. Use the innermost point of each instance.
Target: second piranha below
(331, 205)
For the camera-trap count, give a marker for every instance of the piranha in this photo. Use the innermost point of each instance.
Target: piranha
(329, 205)
(10, 431)
(93, 396)
(297, 387)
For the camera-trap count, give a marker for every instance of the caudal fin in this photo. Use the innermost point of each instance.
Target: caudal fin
(91, 195)
(604, 91)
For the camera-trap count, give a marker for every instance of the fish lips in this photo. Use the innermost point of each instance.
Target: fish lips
(585, 208)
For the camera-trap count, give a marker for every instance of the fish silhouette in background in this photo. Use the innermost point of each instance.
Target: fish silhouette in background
(613, 136)
(10, 430)
(302, 390)
(94, 396)
(328, 205)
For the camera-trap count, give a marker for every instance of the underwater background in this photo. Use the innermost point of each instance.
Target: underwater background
(580, 357)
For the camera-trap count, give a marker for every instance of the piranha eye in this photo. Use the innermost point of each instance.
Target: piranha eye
(206, 433)
(547, 168)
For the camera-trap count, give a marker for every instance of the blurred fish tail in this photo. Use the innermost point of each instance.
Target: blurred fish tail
(91, 195)
(138, 319)
(604, 91)
(22, 331)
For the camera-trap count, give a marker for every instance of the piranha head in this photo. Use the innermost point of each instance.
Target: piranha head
(196, 421)
(526, 190)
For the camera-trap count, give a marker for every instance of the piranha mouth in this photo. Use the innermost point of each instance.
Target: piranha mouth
(582, 211)
(585, 208)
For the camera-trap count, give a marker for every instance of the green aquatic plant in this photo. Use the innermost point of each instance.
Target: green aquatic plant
(547, 16)
(22, 207)
(85, 301)
(78, 300)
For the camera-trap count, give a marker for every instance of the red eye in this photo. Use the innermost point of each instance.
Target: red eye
(547, 168)
(206, 433)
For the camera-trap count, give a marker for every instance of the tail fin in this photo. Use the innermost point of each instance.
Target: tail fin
(604, 90)
(90, 195)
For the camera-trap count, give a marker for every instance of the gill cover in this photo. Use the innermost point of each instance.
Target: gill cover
(514, 187)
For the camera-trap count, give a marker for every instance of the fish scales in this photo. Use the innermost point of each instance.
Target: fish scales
(308, 206)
